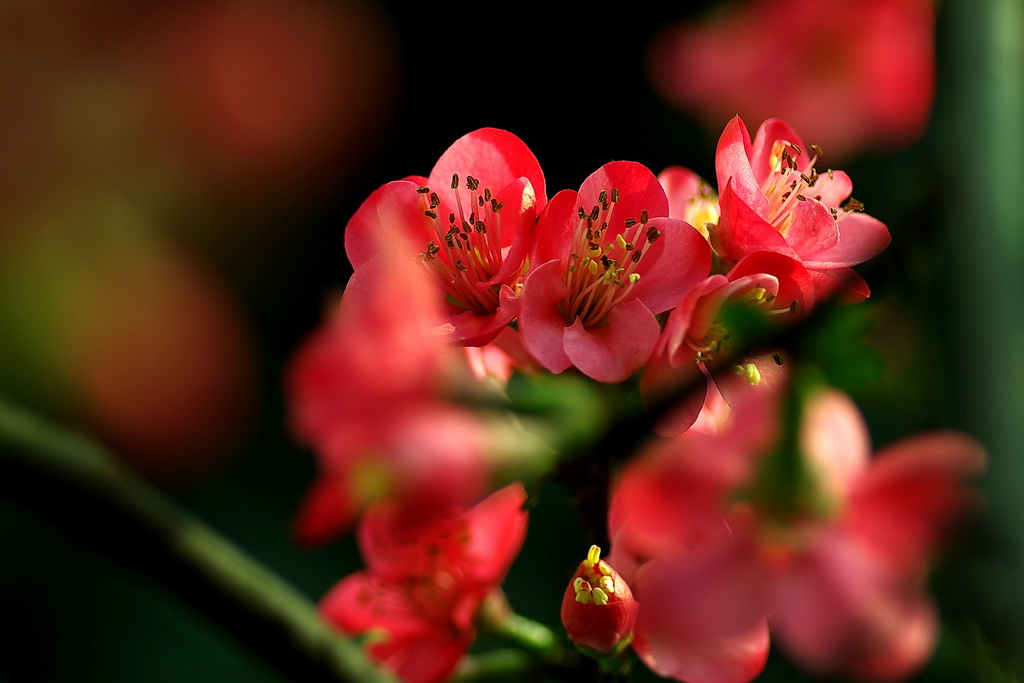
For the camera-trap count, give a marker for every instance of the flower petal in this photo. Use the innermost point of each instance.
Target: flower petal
(541, 325)
(613, 352)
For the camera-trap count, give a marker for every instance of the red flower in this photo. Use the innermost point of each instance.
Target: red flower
(471, 223)
(424, 582)
(773, 199)
(851, 73)
(608, 261)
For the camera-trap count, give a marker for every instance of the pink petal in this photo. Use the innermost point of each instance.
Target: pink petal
(416, 646)
(326, 512)
(841, 284)
(839, 610)
(613, 352)
(733, 167)
(494, 157)
(723, 660)
(556, 229)
(639, 190)
(861, 238)
(681, 186)
(466, 328)
(741, 230)
(768, 133)
(497, 528)
(672, 266)
(912, 493)
(390, 218)
(810, 228)
(661, 380)
(835, 441)
(541, 325)
(702, 614)
(518, 224)
(795, 283)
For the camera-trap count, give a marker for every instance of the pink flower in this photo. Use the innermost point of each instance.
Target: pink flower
(834, 554)
(853, 74)
(607, 262)
(425, 580)
(368, 394)
(471, 223)
(701, 618)
(773, 199)
(694, 335)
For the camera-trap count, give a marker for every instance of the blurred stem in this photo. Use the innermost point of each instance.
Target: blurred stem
(498, 665)
(81, 489)
(497, 619)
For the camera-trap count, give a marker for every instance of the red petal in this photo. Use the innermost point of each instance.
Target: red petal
(741, 230)
(639, 190)
(733, 167)
(494, 157)
(861, 238)
(613, 352)
(326, 512)
(541, 325)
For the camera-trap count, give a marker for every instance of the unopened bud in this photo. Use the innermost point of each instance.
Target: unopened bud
(598, 609)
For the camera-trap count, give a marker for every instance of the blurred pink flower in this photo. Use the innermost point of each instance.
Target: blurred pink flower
(426, 577)
(607, 261)
(773, 199)
(471, 223)
(851, 74)
(368, 393)
(834, 562)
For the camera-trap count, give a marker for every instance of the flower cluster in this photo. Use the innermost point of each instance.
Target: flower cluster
(751, 507)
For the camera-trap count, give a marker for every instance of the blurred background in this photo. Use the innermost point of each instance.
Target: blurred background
(175, 178)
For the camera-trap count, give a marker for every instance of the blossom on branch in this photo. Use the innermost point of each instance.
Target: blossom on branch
(607, 261)
(426, 577)
(470, 223)
(774, 199)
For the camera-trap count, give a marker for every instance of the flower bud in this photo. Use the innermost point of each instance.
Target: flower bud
(598, 609)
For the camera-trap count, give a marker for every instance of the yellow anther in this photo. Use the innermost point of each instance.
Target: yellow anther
(595, 252)
(749, 372)
(607, 584)
(577, 585)
(621, 241)
(599, 597)
(593, 267)
(603, 567)
(594, 554)
(634, 278)
(583, 598)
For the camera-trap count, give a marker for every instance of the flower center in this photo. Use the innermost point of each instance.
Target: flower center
(467, 252)
(715, 337)
(601, 275)
(595, 583)
(787, 185)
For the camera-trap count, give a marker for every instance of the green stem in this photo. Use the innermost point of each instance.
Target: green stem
(80, 488)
